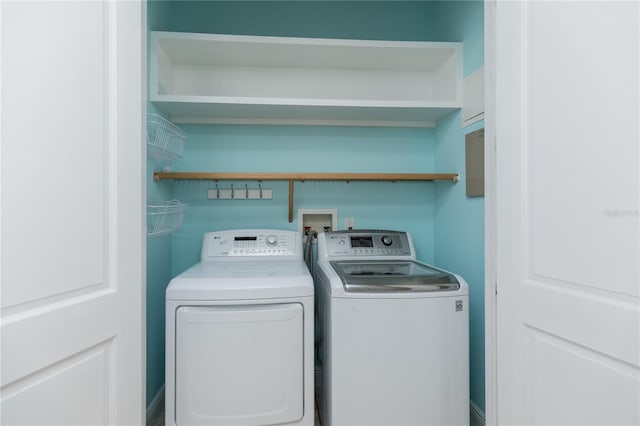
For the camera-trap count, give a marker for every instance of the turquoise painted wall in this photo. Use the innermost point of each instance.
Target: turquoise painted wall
(458, 219)
(159, 249)
(462, 21)
(438, 215)
(399, 205)
(384, 20)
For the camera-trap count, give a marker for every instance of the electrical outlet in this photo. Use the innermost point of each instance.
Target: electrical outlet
(349, 223)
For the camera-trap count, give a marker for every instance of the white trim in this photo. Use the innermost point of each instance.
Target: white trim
(179, 119)
(473, 95)
(155, 408)
(477, 415)
(491, 291)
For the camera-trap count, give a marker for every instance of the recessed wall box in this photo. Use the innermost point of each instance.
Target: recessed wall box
(317, 220)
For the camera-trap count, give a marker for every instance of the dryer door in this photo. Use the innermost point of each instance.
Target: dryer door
(239, 364)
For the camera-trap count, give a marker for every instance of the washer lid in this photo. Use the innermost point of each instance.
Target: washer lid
(242, 281)
(393, 276)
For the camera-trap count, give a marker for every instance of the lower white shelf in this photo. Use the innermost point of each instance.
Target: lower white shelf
(319, 112)
(164, 217)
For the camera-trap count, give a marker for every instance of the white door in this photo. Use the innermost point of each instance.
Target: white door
(567, 181)
(72, 213)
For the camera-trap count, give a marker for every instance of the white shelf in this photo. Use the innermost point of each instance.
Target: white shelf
(212, 78)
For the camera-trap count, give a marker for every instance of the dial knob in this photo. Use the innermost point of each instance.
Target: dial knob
(386, 240)
(272, 240)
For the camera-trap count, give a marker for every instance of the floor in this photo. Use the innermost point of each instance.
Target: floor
(159, 421)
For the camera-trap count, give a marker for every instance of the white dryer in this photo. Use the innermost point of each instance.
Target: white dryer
(393, 334)
(239, 333)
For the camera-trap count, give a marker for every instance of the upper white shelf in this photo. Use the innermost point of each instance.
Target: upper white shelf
(230, 79)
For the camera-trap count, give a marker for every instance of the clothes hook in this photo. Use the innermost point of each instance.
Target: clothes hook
(260, 186)
(246, 191)
(217, 191)
(232, 192)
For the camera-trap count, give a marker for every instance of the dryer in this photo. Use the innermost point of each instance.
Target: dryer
(239, 333)
(393, 333)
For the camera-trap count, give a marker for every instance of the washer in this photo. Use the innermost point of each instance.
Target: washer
(393, 333)
(239, 333)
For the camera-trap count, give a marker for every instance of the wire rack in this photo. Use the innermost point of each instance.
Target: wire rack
(164, 216)
(165, 140)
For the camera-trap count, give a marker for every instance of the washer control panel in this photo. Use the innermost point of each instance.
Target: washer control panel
(367, 243)
(250, 243)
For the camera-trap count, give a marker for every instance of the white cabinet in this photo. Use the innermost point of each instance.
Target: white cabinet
(230, 79)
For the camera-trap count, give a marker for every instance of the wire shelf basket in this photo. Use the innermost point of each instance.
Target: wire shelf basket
(164, 217)
(165, 140)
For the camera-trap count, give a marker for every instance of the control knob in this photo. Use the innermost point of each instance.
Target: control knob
(272, 240)
(386, 240)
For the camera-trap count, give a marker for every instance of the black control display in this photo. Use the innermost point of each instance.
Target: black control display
(245, 238)
(357, 242)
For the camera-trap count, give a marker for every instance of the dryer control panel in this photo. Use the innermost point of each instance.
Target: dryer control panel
(243, 243)
(366, 243)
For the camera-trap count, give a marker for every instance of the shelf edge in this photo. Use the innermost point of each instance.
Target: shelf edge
(295, 176)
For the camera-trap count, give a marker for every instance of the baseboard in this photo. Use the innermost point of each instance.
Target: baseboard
(155, 410)
(477, 415)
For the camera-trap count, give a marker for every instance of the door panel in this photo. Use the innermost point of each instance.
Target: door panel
(581, 163)
(57, 114)
(72, 212)
(587, 375)
(84, 376)
(568, 180)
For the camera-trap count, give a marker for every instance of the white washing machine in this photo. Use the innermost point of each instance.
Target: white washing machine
(239, 333)
(393, 334)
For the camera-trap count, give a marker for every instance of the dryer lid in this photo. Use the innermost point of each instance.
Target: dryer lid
(249, 280)
(393, 276)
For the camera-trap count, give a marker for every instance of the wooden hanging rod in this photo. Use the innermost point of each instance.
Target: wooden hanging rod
(291, 177)
(306, 176)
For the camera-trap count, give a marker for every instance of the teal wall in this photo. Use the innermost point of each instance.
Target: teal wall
(458, 219)
(159, 249)
(462, 21)
(459, 239)
(388, 20)
(399, 205)
(410, 206)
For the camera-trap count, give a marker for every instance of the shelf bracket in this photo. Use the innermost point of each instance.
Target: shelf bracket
(290, 200)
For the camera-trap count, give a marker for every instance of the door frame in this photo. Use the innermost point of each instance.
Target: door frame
(490, 158)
